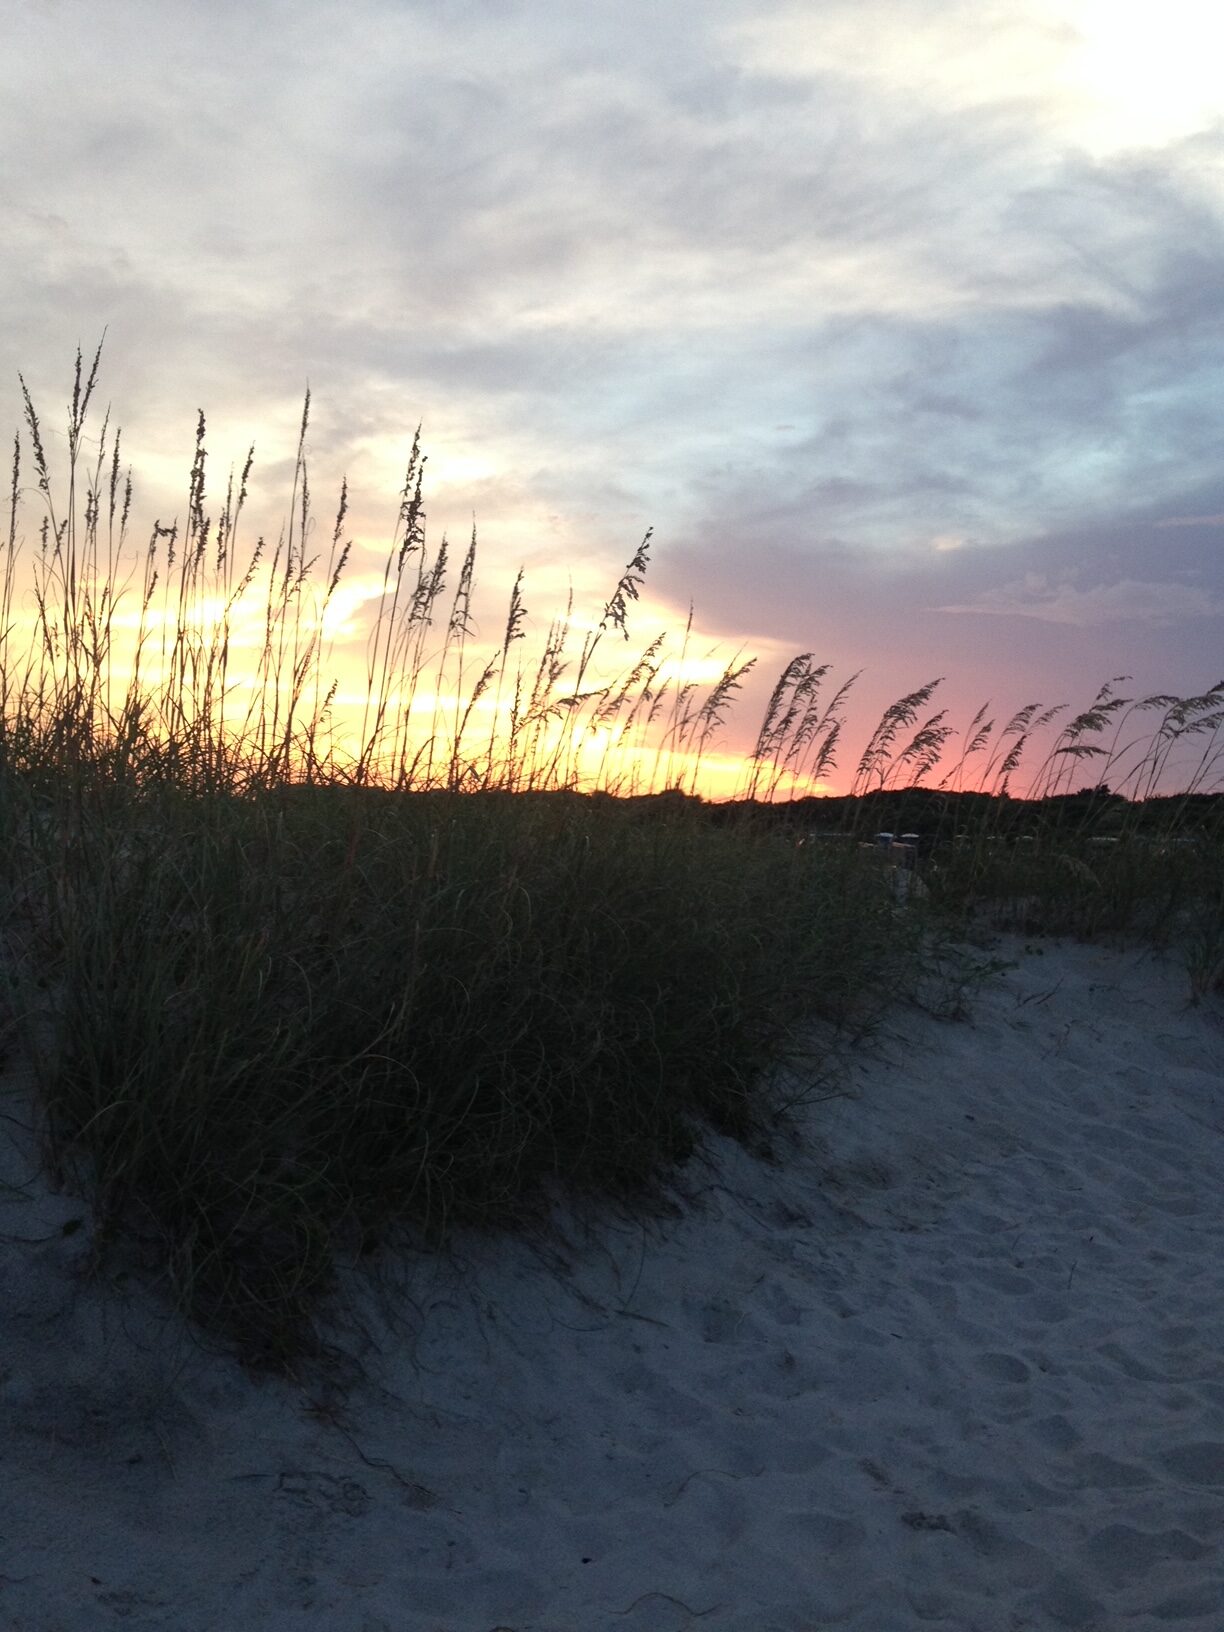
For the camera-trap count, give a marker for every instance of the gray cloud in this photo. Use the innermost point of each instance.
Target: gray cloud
(1127, 600)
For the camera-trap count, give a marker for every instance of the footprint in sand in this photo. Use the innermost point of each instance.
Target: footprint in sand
(1004, 1368)
(1120, 1551)
(1201, 1464)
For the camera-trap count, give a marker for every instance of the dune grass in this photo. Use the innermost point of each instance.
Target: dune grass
(293, 1024)
(293, 994)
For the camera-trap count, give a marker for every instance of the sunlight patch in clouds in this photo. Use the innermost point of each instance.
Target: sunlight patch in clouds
(1149, 75)
(1107, 76)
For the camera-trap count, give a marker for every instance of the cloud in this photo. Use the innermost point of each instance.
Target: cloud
(1127, 600)
(1215, 520)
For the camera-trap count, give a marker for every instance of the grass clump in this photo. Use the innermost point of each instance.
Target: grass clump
(293, 1026)
(296, 988)
(289, 1000)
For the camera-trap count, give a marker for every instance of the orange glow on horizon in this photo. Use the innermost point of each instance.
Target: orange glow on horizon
(362, 673)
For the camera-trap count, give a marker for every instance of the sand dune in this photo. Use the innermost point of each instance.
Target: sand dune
(955, 1360)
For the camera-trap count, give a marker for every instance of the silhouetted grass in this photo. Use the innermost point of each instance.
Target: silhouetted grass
(306, 1019)
(291, 994)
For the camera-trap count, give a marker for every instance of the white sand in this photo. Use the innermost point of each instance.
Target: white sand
(959, 1363)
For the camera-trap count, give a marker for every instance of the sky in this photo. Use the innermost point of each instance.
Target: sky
(901, 322)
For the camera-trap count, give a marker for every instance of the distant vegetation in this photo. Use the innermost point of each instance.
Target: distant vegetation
(292, 995)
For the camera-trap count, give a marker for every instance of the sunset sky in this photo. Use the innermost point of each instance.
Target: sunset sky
(900, 321)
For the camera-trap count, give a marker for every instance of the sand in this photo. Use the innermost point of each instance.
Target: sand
(954, 1359)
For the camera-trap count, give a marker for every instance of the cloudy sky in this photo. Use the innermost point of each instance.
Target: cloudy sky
(900, 321)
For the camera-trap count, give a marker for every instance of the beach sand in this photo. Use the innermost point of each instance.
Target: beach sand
(953, 1359)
